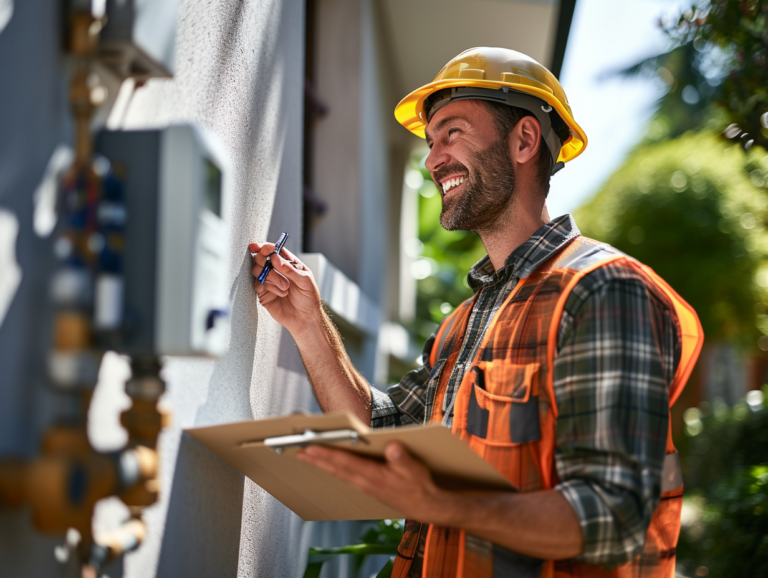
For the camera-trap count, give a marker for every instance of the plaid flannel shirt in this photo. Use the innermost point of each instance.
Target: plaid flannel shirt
(617, 350)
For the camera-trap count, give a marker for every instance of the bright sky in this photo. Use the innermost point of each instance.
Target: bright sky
(607, 35)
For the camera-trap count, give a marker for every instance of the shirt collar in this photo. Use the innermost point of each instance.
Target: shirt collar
(527, 257)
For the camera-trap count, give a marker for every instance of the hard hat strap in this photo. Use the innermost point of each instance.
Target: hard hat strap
(508, 96)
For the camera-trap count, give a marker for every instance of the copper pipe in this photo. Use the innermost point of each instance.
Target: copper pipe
(64, 483)
(82, 109)
(84, 34)
(109, 545)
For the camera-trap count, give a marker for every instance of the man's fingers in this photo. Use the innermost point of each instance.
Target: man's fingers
(274, 277)
(278, 284)
(261, 248)
(271, 288)
(278, 279)
(365, 483)
(402, 462)
(261, 291)
(396, 453)
(264, 249)
(259, 260)
(266, 298)
(261, 253)
(296, 273)
(274, 289)
(343, 460)
(286, 254)
(287, 264)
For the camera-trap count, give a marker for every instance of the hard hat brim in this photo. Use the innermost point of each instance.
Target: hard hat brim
(410, 111)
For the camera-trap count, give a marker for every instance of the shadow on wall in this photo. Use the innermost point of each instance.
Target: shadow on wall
(202, 534)
(232, 392)
(202, 528)
(295, 391)
(229, 386)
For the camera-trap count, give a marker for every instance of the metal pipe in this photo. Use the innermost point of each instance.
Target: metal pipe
(64, 482)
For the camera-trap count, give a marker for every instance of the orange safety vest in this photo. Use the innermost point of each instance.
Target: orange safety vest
(505, 409)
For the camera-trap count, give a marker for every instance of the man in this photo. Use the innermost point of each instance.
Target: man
(560, 371)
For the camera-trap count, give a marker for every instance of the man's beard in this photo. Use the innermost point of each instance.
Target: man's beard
(488, 188)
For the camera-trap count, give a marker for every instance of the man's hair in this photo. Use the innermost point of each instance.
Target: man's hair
(507, 118)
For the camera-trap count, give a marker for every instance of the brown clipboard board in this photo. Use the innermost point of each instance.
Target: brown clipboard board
(314, 494)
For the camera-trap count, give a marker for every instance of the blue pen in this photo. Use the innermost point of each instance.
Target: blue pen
(268, 266)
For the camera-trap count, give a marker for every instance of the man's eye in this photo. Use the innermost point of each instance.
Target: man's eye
(452, 130)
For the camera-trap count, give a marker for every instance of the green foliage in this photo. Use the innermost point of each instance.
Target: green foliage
(385, 533)
(381, 539)
(725, 467)
(721, 440)
(688, 209)
(715, 73)
(734, 537)
(688, 99)
(737, 32)
(450, 255)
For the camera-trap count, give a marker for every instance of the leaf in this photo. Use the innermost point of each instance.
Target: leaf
(319, 556)
(314, 568)
(364, 549)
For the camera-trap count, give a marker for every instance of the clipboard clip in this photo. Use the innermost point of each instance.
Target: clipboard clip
(309, 437)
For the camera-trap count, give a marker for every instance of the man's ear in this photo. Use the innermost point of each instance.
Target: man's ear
(525, 140)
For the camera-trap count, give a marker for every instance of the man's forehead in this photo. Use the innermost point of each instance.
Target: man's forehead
(456, 109)
(463, 109)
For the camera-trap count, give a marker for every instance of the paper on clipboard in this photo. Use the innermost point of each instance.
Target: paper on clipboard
(316, 495)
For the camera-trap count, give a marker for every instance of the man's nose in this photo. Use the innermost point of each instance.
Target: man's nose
(436, 158)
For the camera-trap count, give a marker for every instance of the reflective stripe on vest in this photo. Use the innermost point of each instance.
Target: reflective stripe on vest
(509, 416)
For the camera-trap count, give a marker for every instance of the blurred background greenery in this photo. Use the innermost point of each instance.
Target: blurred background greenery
(725, 467)
(691, 201)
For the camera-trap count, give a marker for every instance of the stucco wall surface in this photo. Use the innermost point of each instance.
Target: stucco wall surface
(239, 72)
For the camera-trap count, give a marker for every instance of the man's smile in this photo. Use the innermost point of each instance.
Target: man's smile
(451, 183)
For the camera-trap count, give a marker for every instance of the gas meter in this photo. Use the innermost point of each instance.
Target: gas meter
(176, 261)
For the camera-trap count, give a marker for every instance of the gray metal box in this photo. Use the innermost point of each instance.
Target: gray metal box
(176, 249)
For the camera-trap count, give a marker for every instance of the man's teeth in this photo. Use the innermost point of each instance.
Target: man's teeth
(448, 185)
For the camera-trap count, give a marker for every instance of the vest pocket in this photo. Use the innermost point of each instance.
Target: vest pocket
(503, 405)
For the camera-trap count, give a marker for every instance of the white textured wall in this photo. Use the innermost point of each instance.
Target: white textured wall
(239, 72)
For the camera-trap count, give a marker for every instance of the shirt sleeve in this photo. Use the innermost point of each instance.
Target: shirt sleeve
(617, 351)
(404, 403)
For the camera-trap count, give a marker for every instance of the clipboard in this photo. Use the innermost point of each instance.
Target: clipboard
(265, 451)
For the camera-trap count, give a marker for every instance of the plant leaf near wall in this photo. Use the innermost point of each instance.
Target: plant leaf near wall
(381, 539)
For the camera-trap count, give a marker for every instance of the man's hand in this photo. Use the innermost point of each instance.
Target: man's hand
(289, 292)
(539, 524)
(291, 297)
(402, 481)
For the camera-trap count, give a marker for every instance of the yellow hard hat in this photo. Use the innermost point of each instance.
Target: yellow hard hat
(500, 75)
